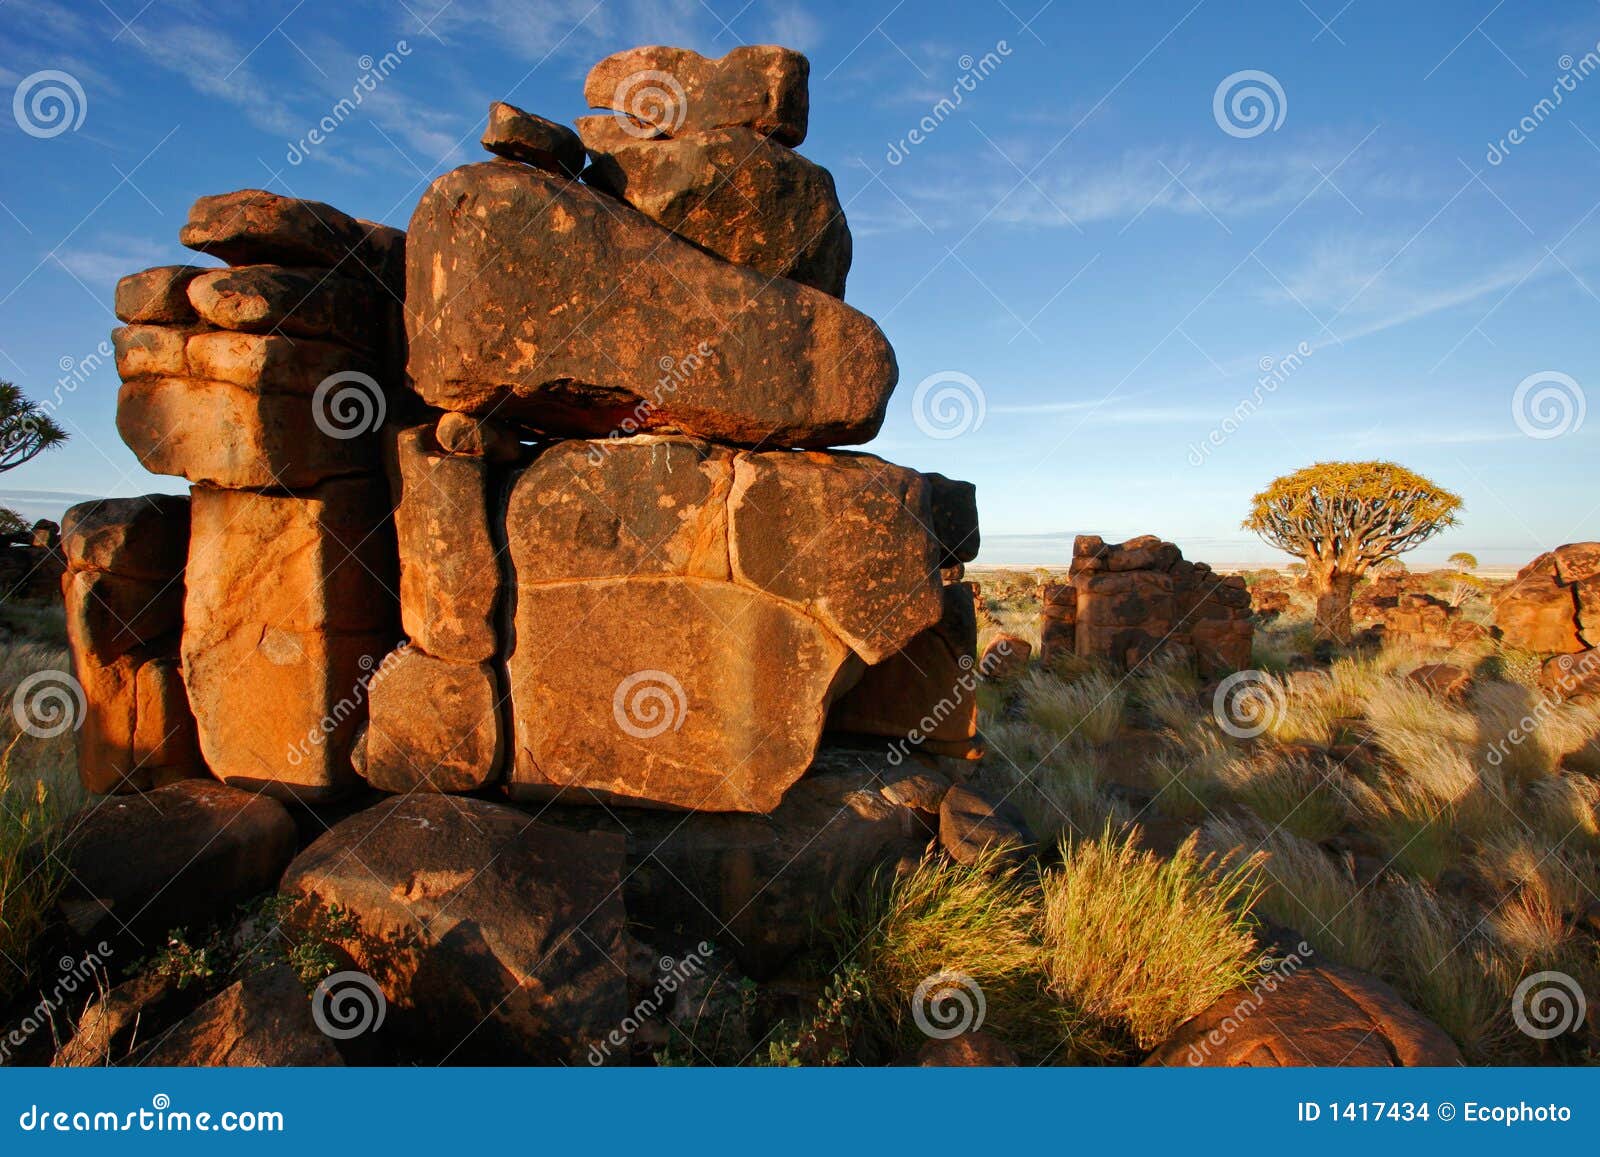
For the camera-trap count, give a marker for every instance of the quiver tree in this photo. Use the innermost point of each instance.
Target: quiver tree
(1343, 518)
(25, 428)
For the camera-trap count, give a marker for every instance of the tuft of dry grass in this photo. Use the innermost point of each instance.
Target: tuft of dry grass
(1307, 891)
(980, 922)
(1143, 943)
(1091, 708)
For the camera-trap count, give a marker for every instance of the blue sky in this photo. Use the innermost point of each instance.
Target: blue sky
(1087, 244)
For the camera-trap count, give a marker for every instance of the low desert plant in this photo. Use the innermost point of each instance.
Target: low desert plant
(947, 920)
(1143, 943)
(31, 875)
(1306, 890)
(1090, 708)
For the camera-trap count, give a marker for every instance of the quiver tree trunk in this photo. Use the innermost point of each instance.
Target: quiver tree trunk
(1333, 593)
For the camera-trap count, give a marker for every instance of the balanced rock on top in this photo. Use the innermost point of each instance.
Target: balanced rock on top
(542, 300)
(675, 90)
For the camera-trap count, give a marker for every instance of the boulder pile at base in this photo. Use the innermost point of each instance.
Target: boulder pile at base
(1125, 603)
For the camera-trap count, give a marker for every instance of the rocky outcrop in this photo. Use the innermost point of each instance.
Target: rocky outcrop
(1552, 607)
(262, 1021)
(1126, 603)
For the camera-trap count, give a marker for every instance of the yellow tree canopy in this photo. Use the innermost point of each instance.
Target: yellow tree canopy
(1349, 516)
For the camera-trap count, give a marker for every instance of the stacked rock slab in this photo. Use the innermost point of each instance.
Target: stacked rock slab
(265, 384)
(123, 589)
(1141, 598)
(657, 601)
(1552, 608)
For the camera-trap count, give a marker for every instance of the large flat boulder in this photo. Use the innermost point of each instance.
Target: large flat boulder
(734, 193)
(494, 939)
(542, 300)
(1323, 1016)
(277, 670)
(685, 613)
(255, 227)
(675, 90)
(178, 856)
(224, 435)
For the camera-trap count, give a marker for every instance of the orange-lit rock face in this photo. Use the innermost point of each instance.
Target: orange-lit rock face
(1552, 607)
(686, 613)
(539, 299)
(290, 608)
(677, 91)
(124, 607)
(735, 193)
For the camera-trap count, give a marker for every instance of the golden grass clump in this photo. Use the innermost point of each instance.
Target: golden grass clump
(1141, 943)
(1091, 708)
